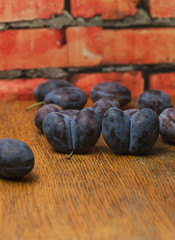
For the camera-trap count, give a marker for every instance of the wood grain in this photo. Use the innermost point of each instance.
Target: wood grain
(95, 196)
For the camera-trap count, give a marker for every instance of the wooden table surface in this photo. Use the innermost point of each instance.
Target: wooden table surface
(99, 195)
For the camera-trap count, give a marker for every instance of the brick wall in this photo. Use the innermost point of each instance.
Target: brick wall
(88, 41)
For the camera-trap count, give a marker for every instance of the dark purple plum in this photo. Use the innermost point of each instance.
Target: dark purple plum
(67, 98)
(43, 111)
(72, 132)
(115, 130)
(16, 158)
(130, 112)
(144, 131)
(86, 129)
(130, 133)
(111, 89)
(57, 129)
(167, 125)
(44, 88)
(104, 104)
(155, 99)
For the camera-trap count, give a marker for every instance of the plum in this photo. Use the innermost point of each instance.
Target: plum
(42, 112)
(135, 134)
(115, 130)
(167, 125)
(144, 131)
(67, 97)
(86, 129)
(155, 99)
(44, 88)
(111, 89)
(103, 104)
(16, 158)
(72, 132)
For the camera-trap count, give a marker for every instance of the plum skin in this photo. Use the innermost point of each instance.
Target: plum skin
(103, 104)
(16, 158)
(56, 128)
(135, 135)
(155, 99)
(42, 112)
(144, 131)
(67, 98)
(86, 129)
(167, 125)
(77, 133)
(111, 89)
(44, 88)
(115, 129)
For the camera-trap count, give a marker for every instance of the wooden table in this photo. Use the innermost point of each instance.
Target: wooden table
(99, 195)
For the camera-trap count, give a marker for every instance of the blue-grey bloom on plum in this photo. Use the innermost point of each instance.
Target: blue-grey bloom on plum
(111, 89)
(155, 99)
(16, 158)
(72, 132)
(42, 112)
(44, 88)
(167, 125)
(103, 104)
(115, 130)
(144, 131)
(130, 133)
(67, 98)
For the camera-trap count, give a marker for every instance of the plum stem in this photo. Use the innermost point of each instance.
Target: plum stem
(70, 155)
(33, 105)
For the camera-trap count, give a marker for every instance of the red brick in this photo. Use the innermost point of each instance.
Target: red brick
(133, 80)
(32, 48)
(18, 89)
(85, 8)
(117, 9)
(139, 46)
(164, 82)
(162, 8)
(84, 46)
(17, 10)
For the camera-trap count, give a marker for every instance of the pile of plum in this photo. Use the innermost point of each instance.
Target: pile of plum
(70, 128)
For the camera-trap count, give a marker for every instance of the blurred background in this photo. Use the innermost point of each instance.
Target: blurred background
(86, 42)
